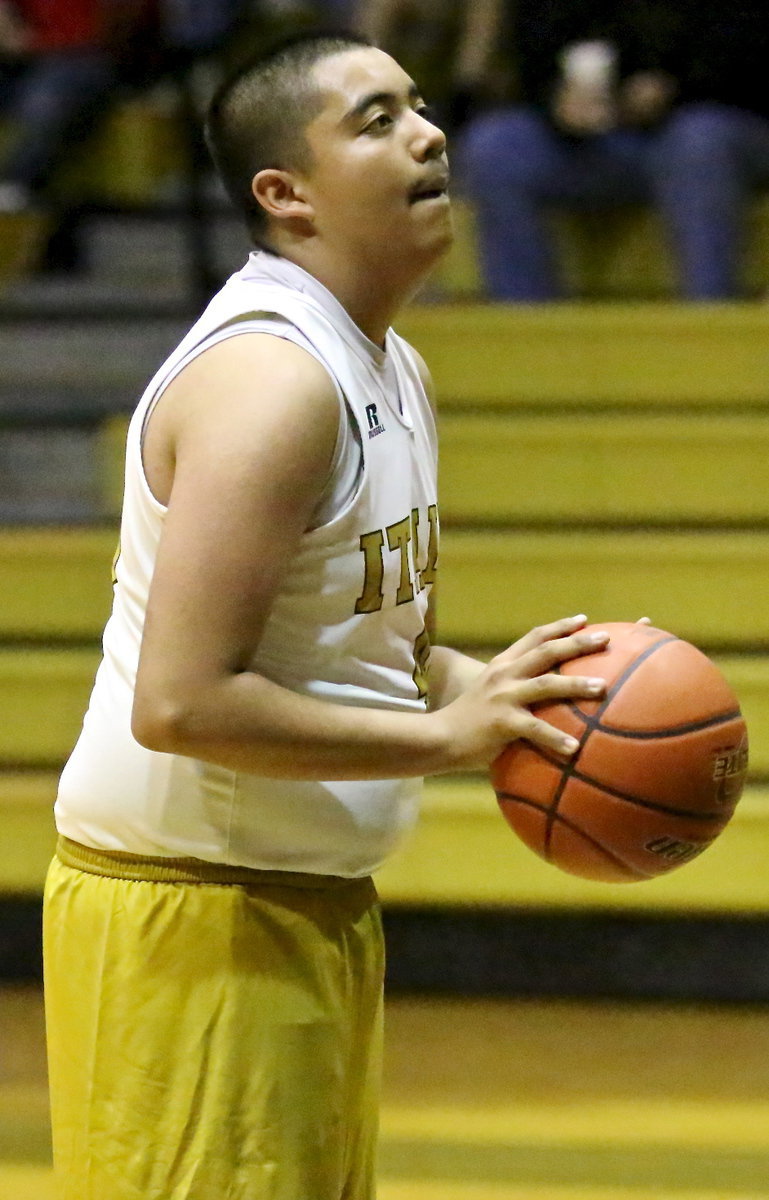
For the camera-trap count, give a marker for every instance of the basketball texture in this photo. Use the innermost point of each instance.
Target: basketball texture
(660, 767)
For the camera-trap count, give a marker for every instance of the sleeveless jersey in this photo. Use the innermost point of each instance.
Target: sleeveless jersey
(348, 625)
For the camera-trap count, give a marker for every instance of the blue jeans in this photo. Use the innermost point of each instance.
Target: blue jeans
(698, 169)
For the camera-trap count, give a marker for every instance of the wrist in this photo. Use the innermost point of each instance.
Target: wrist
(441, 750)
(450, 674)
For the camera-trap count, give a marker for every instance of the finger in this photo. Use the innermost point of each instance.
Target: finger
(543, 657)
(549, 632)
(554, 687)
(545, 736)
(544, 688)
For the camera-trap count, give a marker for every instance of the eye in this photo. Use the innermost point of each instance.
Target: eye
(379, 124)
(426, 111)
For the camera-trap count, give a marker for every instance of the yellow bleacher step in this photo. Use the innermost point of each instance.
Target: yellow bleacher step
(562, 356)
(612, 467)
(615, 254)
(43, 697)
(705, 586)
(55, 582)
(462, 852)
(621, 466)
(44, 693)
(29, 836)
(23, 237)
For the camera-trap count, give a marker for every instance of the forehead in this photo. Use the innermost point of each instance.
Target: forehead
(345, 79)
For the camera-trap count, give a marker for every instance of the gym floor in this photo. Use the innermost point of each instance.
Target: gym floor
(511, 1100)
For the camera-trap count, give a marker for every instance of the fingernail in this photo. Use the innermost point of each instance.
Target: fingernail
(597, 639)
(597, 685)
(570, 745)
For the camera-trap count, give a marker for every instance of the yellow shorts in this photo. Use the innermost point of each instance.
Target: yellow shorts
(211, 1040)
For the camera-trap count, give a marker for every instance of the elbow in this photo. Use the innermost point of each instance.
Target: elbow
(160, 725)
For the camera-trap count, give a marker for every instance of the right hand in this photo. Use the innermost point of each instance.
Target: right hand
(496, 708)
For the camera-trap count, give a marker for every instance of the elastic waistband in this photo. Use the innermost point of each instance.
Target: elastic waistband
(121, 865)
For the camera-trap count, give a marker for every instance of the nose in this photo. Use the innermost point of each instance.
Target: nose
(429, 139)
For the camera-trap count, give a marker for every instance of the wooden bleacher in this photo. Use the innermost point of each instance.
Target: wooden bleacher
(609, 459)
(618, 254)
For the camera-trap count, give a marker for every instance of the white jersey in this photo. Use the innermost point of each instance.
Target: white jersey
(348, 625)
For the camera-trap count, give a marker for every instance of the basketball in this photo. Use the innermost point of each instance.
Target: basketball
(660, 767)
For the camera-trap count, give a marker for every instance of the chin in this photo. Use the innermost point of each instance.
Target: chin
(417, 260)
(438, 244)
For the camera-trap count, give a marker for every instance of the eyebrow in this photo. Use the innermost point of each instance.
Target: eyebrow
(372, 98)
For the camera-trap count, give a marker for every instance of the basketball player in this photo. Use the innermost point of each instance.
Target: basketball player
(268, 701)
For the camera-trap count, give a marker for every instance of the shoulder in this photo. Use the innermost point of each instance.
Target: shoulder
(253, 398)
(254, 373)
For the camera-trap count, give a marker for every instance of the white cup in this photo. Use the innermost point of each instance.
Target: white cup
(590, 64)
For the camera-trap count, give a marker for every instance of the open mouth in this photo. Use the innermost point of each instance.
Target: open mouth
(437, 193)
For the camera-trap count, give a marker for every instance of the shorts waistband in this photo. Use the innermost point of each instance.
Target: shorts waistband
(118, 864)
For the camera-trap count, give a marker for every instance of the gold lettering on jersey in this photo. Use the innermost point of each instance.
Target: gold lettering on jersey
(399, 538)
(422, 664)
(428, 573)
(372, 596)
(402, 538)
(415, 546)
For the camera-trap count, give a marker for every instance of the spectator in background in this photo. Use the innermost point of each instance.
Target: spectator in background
(61, 61)
(620, 104)
(166, 37)
(425, 36)
(58, 66)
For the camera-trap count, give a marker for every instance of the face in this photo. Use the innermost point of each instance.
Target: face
(378, 180)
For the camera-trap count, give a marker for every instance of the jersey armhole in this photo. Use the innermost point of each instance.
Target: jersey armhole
(346, 467)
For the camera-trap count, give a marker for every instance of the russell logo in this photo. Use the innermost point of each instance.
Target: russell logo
(375, 427)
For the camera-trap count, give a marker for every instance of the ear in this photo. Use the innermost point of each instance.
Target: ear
(281, 194)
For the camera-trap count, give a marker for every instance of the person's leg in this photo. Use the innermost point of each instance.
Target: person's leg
(210, 1041)
(704, 164)
(56, 104)
(515, 167)
(506, 160)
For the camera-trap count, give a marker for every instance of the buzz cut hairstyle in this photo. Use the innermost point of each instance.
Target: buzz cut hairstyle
(258, 116)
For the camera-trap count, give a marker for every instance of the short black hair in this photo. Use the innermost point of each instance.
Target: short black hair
(258, 114)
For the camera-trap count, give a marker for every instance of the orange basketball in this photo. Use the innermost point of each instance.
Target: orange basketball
(660, 767)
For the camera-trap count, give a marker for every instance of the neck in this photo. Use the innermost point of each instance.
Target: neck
(372, 293)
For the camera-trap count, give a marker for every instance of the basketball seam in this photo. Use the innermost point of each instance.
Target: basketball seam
(596, 726)
(614, 858)
(571, 766)
(630, 670)
(629, 798)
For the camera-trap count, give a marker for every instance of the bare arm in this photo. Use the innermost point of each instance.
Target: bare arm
(246, 461)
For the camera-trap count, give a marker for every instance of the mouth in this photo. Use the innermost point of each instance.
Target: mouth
(433, 189)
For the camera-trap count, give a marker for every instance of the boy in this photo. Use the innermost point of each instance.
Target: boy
(260, 722)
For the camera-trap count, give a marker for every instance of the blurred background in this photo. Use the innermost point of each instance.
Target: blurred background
(599, 336)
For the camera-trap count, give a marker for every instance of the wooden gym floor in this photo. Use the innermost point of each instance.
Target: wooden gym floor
(511, 1100)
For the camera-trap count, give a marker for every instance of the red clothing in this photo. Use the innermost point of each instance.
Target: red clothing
(63, 24)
